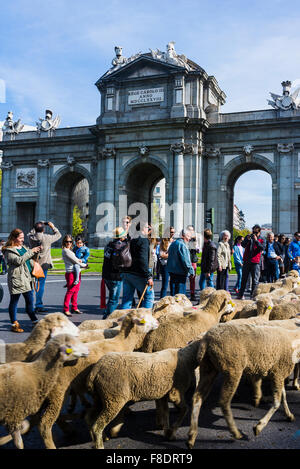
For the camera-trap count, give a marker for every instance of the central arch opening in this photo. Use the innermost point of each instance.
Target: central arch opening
(145, 184)
(72, 191)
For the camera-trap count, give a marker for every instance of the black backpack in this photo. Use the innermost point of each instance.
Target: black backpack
(121, 256)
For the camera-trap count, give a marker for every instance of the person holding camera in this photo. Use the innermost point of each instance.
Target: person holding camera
(38, 237)
(19, 278)
(254, 246)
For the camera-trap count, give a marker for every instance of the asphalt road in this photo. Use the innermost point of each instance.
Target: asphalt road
(139, 431)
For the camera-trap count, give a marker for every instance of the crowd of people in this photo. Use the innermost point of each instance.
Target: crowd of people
(134, 258)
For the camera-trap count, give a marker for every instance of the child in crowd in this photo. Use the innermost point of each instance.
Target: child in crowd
(296, 264)
(82, 252)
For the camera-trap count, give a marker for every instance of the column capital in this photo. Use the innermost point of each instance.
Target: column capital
(105, 152)
(6, 165)
(181, 148)
(212, 151)
(285, 147)
(43, 163)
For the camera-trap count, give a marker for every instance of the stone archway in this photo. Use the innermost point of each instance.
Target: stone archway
(70, 187)
(138, 181)
(234, 170)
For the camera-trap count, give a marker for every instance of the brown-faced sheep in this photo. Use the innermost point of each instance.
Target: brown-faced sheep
(25, 386)
(259, 351)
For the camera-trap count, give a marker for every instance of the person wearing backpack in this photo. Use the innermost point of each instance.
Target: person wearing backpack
(116, 257)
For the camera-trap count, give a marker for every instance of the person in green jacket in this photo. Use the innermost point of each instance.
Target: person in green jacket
(19, 278)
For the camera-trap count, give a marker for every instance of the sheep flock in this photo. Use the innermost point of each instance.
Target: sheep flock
(172, 353)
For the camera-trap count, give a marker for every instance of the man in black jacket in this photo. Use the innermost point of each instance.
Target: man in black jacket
(110, 274)
(209, 261)
(138, 275)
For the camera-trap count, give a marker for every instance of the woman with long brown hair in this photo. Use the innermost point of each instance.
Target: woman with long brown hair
(19, 278)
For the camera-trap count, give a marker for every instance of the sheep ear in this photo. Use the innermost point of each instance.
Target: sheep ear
(66, 350)
(121, 318)
(138, 321)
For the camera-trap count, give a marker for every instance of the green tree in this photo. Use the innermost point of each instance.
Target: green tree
(243, 233)
(77, 227)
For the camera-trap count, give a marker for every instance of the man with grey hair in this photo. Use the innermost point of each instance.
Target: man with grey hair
(272, 256)
(179, 263)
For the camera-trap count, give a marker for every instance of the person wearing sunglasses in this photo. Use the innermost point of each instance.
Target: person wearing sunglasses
(70, 260)
(294, 248)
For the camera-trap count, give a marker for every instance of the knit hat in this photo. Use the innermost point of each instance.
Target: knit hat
(119, 232)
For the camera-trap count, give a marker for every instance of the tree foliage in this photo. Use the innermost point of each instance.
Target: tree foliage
(77, 227)
(243, 233)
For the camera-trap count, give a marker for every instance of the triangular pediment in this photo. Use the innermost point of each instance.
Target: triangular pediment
(143, 66)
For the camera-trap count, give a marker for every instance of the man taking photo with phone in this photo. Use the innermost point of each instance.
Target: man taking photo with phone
(38, 237)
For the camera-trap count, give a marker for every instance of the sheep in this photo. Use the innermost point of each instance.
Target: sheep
(24, 386)
(236, 349)
(239, 305)
(265, 288)
(111, 321)
(177, 333)
(283, 311)
(135, 326)
(119, 378)
(98, 334)
(293, 273)
(260, 307)
(47, 327)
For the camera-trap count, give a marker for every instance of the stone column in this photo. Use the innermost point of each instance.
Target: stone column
(285, 187)
(6, 218)
(109, 188)
(44, 189)
(178, 184)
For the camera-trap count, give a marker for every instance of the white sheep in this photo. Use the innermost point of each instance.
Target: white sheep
(135, 326)
(257, 351)
(49, 326)
(25, 386)
(119, 378)
(178, 332)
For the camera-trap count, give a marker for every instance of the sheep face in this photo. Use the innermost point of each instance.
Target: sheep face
(145, 322)
(264, 305)
(73, 349)
(66, 327)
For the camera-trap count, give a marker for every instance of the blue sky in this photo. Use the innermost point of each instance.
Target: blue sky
(53, 52)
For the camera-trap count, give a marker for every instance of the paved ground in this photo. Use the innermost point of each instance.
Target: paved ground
(139, 431)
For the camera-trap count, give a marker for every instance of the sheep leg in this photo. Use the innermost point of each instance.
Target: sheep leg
(207, 377)
(278, 387)
(257, 382)
(229, 388)
(25, 426)
(162, 413)
(16, 435)
(296, 376)
(49, 417)
(108, 413)
(182, 408)
(118, 422)
(287, 411)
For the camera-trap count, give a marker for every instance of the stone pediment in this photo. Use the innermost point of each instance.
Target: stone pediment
(143, 66)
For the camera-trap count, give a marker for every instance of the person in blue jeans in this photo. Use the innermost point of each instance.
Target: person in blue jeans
(163, 259)
(38, 237)
(209, 261)
(112, 275)
(138, 275)
(238, 252)
(179, 263)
